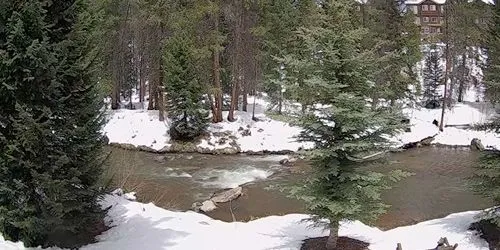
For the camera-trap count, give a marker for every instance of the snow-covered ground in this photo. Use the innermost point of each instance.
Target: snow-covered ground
(142, 128)
(145, 226)
(461, 114)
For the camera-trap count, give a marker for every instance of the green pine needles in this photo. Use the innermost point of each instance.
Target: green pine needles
(50, 121)
(341, 122)
(184, 90)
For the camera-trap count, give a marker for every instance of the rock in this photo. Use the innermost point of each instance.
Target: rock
(105, 140)
(476, 144)
(163, 150)
(160, 159)
(196, 206)
(227, 196)
(284, 161)
(146, 149)
(222, 141)
(229, 151)
(288, 161)
(246, 132)
(208, 206)
(118, 192)
(126, 146)
(427, 141)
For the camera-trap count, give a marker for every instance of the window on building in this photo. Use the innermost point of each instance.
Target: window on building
(432, 7)
(415, 9)
(425, 7)
(434, 19)
(425, 19)
(438, 30)
(426, 30)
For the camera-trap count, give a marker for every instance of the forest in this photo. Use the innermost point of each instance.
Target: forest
(337, 85)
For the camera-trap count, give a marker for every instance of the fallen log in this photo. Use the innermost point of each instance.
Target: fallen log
(227, 196)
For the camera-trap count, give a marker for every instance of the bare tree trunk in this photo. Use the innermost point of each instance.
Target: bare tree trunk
(115, 96)
(152, 94)
(446, 72)
(331, 243)
(280, 102)
(142, 82)
(217, 117)
(253, 108)
(234, 101)
(161, 105)
(245, 96)
(461, 86)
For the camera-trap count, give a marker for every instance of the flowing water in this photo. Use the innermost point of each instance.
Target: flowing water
(436, 189)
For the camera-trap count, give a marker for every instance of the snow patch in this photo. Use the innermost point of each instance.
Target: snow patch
(137, 127)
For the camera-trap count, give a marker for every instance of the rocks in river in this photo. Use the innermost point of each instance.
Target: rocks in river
(146, 149)
(476, 144)
(228, 195)
(208, 206)
(160, 159)
(427, 141)
(105, 140)
(288, 161)
(223, 197)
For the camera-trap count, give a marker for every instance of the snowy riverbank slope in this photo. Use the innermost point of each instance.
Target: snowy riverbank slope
(144, 226)
(142, 128)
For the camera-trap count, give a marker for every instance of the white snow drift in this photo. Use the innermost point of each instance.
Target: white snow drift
(144, 226)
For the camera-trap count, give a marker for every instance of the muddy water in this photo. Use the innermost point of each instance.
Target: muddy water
(437, 188)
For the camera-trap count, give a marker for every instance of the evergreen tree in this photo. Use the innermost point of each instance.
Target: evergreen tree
(344, 128)
(492, 71)
(50, 123)
(395, 38)
(184, 91)
(486, 179)
(433, 77)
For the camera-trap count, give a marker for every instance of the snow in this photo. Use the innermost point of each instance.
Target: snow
(266, 134)
(143, 128)
(137, 127)
(136, 225)
(460, 114)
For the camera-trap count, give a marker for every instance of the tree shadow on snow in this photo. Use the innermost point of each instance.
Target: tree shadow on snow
(138, 232)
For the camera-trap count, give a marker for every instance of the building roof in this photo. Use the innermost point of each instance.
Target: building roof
(415, 2)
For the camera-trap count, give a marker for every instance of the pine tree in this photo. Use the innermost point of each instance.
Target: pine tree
(433, 77)
(50, 139)
(344, 128)
(492, 71)
(395, 37)
(486, 179)
(184, 90)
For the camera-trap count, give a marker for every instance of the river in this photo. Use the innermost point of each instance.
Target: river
(437, 188)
